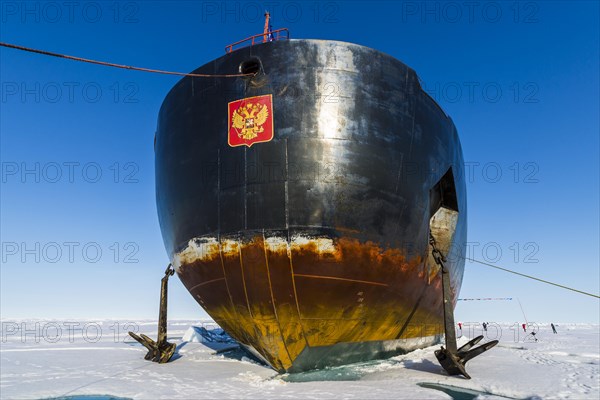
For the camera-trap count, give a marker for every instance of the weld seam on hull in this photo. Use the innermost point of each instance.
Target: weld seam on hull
(412, 313)
(341, 279)
(205, 283)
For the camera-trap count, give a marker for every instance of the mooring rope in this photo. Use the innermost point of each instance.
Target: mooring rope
(531, 277)
(107, 64)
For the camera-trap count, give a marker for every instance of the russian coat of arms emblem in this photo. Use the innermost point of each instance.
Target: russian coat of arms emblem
(250, 121)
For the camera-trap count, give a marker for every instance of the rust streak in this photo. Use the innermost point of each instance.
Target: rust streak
(273, 297)
(244, 280)
(225, 277)
(341, 279)
(269, 276)
(289, 254)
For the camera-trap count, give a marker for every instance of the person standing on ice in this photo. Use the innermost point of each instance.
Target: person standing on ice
(460, 327)
(485, 326)
(553, 328)
(524, 327)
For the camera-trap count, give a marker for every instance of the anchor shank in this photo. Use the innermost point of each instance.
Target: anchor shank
(162, 313)
(453, 360)
(160, 351)
(448, 312)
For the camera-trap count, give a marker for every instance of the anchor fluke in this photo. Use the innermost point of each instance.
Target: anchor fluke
(161, 350)
(157, 352)
(454, 363)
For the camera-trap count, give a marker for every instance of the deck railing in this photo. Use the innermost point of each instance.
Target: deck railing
(278, 34)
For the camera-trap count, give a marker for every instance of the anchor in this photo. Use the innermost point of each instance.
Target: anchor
(453, 360)
(160, 351)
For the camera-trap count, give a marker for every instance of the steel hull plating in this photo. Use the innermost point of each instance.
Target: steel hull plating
(312, 249)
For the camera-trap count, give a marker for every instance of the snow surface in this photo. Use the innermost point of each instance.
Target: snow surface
(45, 359)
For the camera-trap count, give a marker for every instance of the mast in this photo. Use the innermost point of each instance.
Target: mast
(266, 29)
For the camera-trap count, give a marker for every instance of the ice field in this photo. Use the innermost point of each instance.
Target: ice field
(98, 360)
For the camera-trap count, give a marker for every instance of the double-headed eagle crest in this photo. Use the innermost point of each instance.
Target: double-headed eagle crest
(248, 119)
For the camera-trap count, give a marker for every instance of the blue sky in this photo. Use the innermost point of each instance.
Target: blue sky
(80, 236)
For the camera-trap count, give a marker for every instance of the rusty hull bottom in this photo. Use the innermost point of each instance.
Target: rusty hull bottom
(310, 302)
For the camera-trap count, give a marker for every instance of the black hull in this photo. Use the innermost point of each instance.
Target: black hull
(312, 248)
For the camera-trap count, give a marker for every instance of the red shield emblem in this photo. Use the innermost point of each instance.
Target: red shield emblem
(250, 121)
